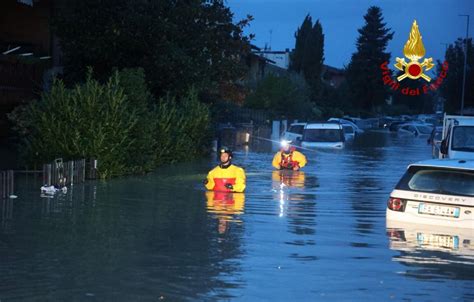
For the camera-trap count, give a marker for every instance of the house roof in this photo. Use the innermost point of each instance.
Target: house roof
(27, 2)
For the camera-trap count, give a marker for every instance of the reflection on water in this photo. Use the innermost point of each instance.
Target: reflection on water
(6, 208)
(226, 206)
(288, 178)
(315, 234)
(433, 252)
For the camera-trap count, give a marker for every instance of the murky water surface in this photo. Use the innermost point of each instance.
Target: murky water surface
(318, 234)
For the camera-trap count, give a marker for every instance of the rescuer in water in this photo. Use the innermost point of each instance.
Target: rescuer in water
(288, 158)
(226, 177)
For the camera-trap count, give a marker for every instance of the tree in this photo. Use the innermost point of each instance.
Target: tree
(308, 56)
(180, 44)
(300, 37)
(313, 58)
(451, 88)
(363, 73)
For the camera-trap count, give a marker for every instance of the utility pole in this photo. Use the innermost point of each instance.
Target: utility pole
(465, 63)
(271, 32)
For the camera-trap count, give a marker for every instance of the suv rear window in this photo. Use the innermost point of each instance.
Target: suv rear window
(438, 181)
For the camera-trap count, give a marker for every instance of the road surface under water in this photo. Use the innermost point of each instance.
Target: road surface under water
(318, 234)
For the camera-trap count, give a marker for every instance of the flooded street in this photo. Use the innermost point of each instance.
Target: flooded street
(317, 234)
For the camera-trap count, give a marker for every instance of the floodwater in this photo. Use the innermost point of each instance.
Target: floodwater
(315, 235)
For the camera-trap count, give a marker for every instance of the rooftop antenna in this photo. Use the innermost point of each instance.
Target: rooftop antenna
(270, 47)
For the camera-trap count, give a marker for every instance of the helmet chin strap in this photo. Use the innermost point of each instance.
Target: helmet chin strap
(225, 164)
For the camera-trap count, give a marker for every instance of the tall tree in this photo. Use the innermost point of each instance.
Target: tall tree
(308, 56)
(301, 36)
(178, 43)
(313, 59)
(451, 88)
(363, 72)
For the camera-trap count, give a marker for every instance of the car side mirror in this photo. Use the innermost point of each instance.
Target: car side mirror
(443, 148)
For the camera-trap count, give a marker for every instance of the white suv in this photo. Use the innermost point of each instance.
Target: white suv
(437, 192)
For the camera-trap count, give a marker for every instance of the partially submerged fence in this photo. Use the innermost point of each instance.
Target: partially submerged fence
(7, 182)
(59, 173)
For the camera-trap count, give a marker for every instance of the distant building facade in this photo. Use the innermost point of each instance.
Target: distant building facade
(277, 58)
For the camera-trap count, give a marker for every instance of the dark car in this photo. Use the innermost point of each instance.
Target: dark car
(395, 126)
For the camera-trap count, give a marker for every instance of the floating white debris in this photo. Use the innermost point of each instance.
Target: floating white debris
(48, 189)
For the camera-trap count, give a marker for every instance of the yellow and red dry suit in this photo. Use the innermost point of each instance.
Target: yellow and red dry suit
(220, 176)
(283, 160)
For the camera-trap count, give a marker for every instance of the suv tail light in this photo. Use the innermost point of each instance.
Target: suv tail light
(396, 204)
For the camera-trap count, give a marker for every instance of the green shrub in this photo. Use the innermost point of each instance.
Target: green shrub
(90, 120)
(181, 128)
(117, 123)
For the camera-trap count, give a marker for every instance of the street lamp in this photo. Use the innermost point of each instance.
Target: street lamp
(465, 63)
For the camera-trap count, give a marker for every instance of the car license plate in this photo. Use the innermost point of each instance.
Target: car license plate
(438, 210)
(435, 240)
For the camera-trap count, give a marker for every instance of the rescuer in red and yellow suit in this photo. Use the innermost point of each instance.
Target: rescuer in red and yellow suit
(226, 177)
(288, 158)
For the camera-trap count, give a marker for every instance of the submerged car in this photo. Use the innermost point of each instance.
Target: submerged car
(436, 192)
(345, 121)
(323, 135)
(417, 129)
(393, 127)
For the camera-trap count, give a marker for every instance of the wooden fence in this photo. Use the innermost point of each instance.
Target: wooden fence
(7, 181)
(59, 173)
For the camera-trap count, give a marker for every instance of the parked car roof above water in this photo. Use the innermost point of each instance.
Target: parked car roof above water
(347, 122)
(323, 125)
(421, 128)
